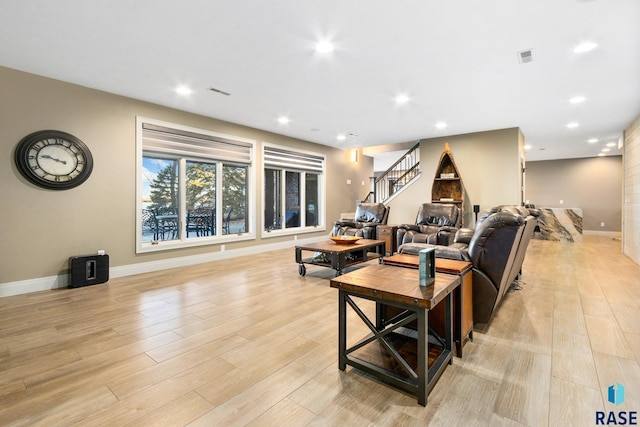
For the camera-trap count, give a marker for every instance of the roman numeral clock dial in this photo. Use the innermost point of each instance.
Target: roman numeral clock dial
(53, 159)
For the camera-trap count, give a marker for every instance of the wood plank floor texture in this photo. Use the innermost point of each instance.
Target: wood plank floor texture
(247, 341)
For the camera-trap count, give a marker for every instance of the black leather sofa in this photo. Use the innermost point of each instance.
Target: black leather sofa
(436, 223)
(368, 216)
(496, 247)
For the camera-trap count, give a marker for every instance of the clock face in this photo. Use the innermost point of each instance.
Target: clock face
(54, 159)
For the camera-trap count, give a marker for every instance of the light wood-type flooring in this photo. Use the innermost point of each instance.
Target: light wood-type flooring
(247, 341)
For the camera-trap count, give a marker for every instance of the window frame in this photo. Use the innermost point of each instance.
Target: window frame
(182, 241)
(322, 199)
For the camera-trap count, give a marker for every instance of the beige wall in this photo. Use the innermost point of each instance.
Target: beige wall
(41, 228)
(593, 184)
(488, 163)
(631, 208)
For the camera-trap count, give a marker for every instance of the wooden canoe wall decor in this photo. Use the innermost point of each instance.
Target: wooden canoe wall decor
(447, 183)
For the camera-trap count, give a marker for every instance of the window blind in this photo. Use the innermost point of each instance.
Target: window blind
(178, 142)
(293, 160)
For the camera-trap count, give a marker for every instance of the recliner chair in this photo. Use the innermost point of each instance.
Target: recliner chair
(530, 216)
(436, 223)
(492, 251)
(368, 217)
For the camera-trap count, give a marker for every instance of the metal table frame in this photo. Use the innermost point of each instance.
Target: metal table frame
(338, 254)
(419, 383)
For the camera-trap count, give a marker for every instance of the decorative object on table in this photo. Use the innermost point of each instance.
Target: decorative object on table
(427, 266)
(345, 240)
(53, 159)
(321, 257)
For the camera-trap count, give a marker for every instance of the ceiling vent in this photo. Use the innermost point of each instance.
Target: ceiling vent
(213, 89)
(525, 56)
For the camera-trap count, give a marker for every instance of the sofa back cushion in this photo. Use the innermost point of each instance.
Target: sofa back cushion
(439, 214)
(370, 212)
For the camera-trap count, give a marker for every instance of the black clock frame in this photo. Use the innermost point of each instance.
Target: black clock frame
(22, 160)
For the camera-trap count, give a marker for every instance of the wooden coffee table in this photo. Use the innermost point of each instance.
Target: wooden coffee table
(408, 359)
(339, 255)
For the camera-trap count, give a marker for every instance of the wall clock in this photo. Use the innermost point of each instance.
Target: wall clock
(53, 159)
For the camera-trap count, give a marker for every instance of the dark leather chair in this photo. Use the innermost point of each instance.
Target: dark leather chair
(492, 250)
(530, 216)
(368, 217)
(436, 223)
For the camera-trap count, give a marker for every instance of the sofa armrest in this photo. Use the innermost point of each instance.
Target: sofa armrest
(463, 235)
(453, 252)
(446, 235)
(369, 229)
(400, 233)
(344, 224)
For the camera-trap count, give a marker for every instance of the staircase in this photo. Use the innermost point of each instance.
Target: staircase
(397, 176)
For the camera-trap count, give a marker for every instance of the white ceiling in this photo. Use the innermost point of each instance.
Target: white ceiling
(456, 60)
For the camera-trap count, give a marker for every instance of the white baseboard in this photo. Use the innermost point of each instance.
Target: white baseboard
(62, 281)
(613, 234)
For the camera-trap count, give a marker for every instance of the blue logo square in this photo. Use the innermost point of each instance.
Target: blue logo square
(616, 394)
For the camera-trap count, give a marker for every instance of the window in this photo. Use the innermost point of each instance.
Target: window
(293, 196)
(193, 187)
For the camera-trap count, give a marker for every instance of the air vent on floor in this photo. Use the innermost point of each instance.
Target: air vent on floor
(213, 89)
(525, 56)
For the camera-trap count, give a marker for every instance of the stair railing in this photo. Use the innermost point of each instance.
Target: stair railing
(397, 176)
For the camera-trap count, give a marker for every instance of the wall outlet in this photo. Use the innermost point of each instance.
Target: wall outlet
(221, 248)
(562, 202)
(602, 224)
(348, 182)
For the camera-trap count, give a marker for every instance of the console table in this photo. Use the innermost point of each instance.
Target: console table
(408, 359)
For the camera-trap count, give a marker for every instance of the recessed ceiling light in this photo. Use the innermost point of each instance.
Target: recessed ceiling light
(577, 99)
(441, 125)
(183, 90)
(573, 125)
(324, 47)
(283, 120)
(606, 150)
(602, 154)
(592, 140)
(527, 147)
(611, 144)
(402, 99)
(584, 47)
(341, 137)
